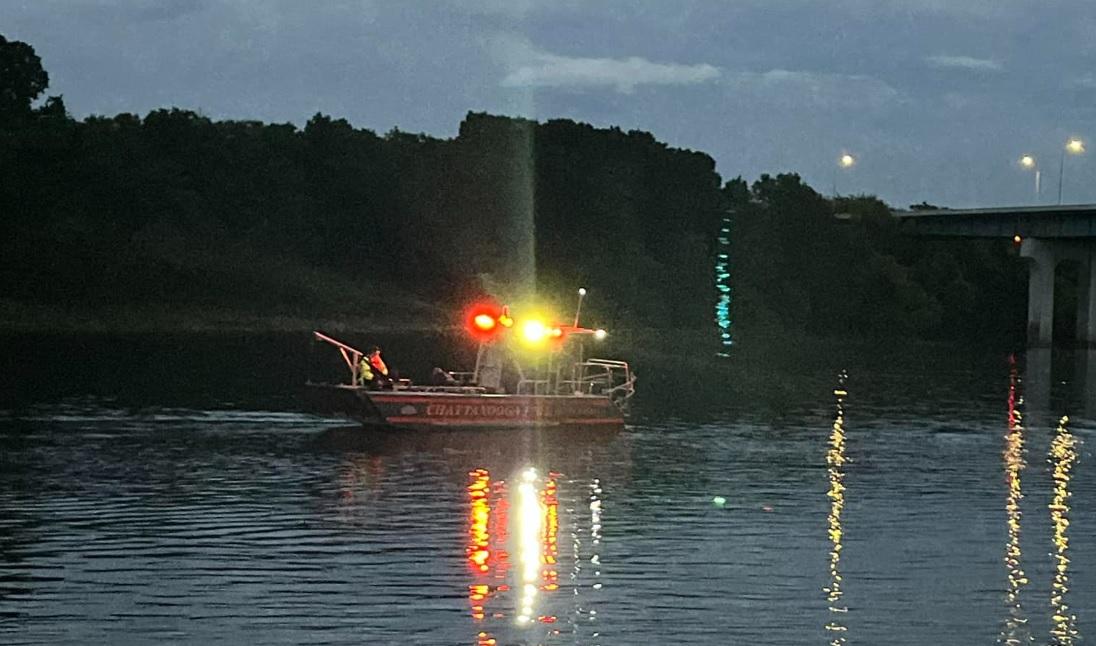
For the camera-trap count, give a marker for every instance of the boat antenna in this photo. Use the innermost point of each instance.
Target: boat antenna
(578, 309)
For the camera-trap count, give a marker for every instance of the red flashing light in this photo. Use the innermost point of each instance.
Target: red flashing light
(557, 337)
(485, 321)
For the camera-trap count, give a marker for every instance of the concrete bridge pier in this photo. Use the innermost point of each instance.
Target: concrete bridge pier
(1041, 264)
(1086, 301)
(1044, 256)
(1037, 381)
(1088, 381)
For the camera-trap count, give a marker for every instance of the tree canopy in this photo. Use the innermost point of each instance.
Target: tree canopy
(22, 79)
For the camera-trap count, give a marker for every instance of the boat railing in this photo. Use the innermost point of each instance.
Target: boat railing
(351, 356)
(602, 377)
(533, 387)
(536, 382)
(606, 377)
(455, 390)
(462, 378)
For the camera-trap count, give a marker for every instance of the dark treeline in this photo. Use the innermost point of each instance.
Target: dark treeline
(842, 268)
(175, 209)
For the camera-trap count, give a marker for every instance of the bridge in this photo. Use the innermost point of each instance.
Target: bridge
(1048, 235)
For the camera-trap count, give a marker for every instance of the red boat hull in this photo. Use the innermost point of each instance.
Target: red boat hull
(443, 410)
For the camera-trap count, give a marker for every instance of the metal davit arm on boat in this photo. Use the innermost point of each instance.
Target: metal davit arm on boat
(352, 356)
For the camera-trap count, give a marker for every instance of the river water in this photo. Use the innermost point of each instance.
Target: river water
(887, 502)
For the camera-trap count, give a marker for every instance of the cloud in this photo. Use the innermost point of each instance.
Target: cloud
(815, 89)
(1085, 81)
(909, 8)
(964, 63)
(538, 68)
(495, 7)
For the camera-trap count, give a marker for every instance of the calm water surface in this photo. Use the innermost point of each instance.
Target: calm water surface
(894, 505)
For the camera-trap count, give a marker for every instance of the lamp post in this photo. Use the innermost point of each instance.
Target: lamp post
(844, 161)
(1029, 162)
(578, 309)
(1074, 147)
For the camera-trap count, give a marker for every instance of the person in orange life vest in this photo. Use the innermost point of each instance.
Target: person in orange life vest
(380, 370)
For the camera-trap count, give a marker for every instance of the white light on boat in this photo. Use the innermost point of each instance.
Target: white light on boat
(600, 334)
(581, 291)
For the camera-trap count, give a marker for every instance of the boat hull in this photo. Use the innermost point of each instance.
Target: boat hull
(422, 410)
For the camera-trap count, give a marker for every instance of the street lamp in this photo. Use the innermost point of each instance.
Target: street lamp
(1074, 147)
(844, 161)
(1029, 163)
(578, 309)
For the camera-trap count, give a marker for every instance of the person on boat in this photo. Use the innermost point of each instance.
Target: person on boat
(381, 379)
(442, 378)
(365, 371)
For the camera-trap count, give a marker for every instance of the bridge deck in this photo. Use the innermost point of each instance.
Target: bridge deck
(1060, 221)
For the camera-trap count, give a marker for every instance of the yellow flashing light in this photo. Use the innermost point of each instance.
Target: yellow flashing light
(534, 331)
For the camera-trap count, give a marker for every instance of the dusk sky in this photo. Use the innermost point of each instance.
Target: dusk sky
(936, 99)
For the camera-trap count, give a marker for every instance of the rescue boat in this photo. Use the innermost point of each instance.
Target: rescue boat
(560, 387)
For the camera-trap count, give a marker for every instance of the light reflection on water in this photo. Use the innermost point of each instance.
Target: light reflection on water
(835, 463)
(1016, 630)
(195, 526)
(1063, 455)
(499, 596)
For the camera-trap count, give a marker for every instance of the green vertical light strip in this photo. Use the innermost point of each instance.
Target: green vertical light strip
(723, 286)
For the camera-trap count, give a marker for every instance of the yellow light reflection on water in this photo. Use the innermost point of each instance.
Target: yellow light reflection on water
(835, 463)
(478, 550)
(1015, 630)
(550, 504)
(529, 516)
(1063, 630)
